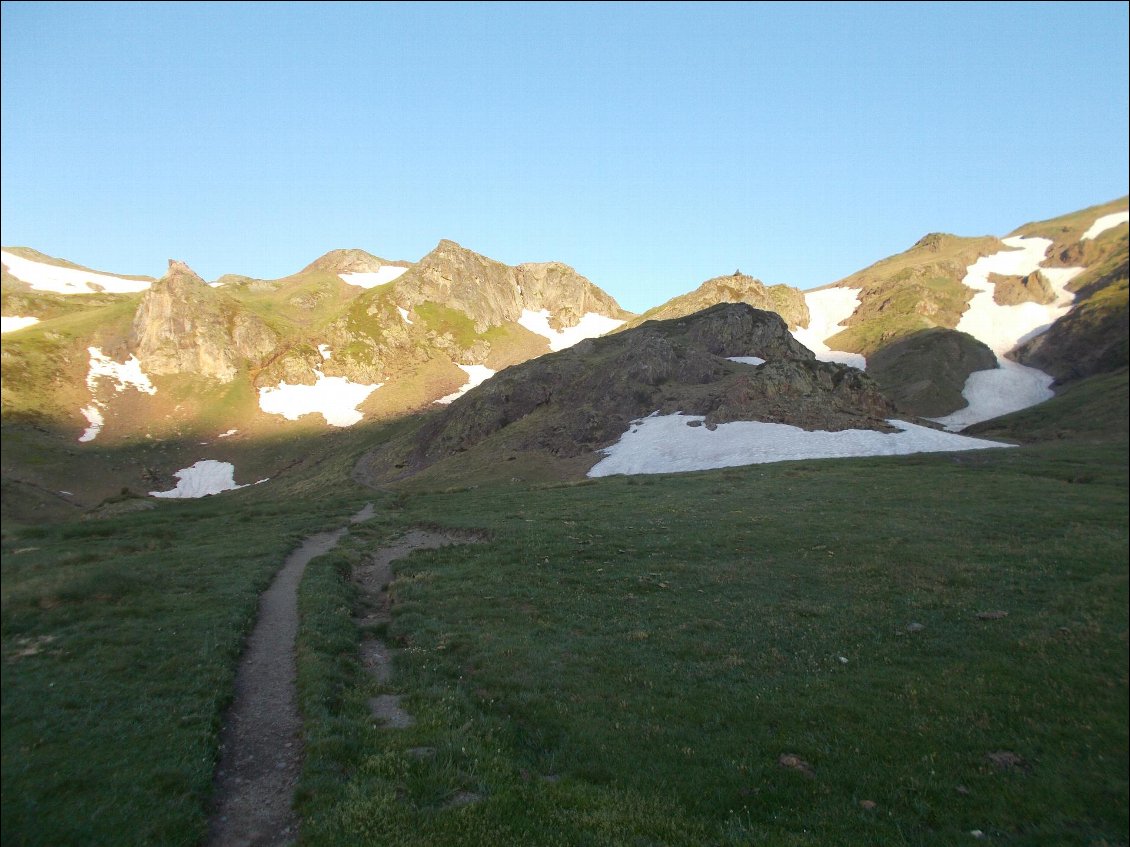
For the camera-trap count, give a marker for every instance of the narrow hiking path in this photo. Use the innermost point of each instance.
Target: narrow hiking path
(372, 580)
(261, 742)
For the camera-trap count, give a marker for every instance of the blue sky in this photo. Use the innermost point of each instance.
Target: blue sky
(649, 146)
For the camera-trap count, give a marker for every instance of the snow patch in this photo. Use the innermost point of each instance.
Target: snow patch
(827, 310)
(747, 360)
(1009, 387)
(202, 479)
(1104, 223)
(14, 322)
(44, 277)
(668, 444)
(404, 315)
(1003, 327)
(387, 273)
(127, 374)
(476, 375)
(94, 420)
(992, 393)
(335, 398)
(590, 326)
(324, 350)
(227, 434)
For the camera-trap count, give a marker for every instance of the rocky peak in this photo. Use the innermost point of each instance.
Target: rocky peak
(349, 261)
(934, 241)
(737, 287)
(492, 293)
(184, 326)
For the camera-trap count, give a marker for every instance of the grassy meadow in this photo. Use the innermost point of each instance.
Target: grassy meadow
(873, 651)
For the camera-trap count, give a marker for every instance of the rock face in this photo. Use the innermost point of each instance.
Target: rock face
(491, 293)
(1094, 337)
(576, 401)
(924, 373)
(183, 326)
(737, 288)
(350, 261)
(1014, 290)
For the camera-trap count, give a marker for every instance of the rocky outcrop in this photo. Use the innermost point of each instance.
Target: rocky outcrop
(183, 326)
(576, 401)
(492, 294)
(1094, 337)
(350, 261)
(786, 301)
(1014, 290)
(924, 373)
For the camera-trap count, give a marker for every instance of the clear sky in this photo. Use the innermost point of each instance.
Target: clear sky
(650, 146)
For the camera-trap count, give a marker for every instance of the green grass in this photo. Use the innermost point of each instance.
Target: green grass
(120, 639)
(656, 644)
(624, 661)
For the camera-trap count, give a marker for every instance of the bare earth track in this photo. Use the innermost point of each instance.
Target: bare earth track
(261, 742)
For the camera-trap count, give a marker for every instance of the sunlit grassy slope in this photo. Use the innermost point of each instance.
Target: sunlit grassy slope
(624, 661)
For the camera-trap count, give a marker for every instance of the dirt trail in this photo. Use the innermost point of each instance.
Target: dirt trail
(372, 579)
(261, 743)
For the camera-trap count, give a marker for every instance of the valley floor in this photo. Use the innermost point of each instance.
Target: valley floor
(905, 650)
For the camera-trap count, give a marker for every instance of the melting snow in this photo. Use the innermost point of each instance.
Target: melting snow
(476, 375)
(747, 360)
(1010, 387)
(992, 393)
(591, 325)
(335, 398)
(404, 315)
(13, 323)
(1104, 223)
(228, 434)
(204, 477)
(666, 444)
(827, 310)
(44, 277)
(387, 273)
(324, 350)
(93, 416)
(125, 375)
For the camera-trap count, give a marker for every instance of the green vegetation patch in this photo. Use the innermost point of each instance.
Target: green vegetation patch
(737, 657)
(445, 320)
(120, 639)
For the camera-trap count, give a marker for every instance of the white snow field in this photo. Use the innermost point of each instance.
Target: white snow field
(204, 477)
(324, 351)
(404, 315)
(387, 273)
(476, 375)
(44, 277)
(13, 323)
(335, 398)
(591, 326)
(125, 375)
(1104, 223)
(669, 444)
(827, 309)
(747, 360)
(1010, 387)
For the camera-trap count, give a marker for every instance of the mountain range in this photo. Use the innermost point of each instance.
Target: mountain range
(117, 383)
